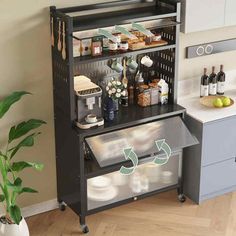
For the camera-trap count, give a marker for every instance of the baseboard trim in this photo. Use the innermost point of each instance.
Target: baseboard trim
(39, 208)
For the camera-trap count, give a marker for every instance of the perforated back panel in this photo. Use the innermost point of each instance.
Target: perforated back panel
(164, 65)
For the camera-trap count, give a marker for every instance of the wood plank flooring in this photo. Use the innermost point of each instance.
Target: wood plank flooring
(161, 215)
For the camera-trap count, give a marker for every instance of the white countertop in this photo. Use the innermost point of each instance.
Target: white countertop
(190, 101)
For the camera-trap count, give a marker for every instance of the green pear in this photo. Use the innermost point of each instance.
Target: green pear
(226, 101)
(218, 102)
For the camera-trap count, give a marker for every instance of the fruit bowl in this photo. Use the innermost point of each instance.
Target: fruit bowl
(209, 100)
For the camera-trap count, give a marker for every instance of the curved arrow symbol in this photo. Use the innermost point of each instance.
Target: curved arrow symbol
(162, 145)
(129, 155)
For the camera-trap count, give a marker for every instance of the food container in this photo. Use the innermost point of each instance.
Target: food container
(97, 48)
(124, 46)
(163, 92)
(76, 48)
(154, 91)
(86, 47)
(144, 97)
(156, 38)
(113, 46)
(105, 43)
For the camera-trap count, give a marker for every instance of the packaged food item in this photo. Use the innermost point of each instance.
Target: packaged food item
(105, 44)
(97, 48)
(124, 46)
(154, 91)
(76, 48)
(144, 97)
(156, 38)
(86, 47)
(113, 47)
(163, 92)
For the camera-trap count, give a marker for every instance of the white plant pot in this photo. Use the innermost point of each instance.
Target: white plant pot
(14, 229)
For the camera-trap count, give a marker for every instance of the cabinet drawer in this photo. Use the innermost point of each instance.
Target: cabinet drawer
(108, 149)
(115, 187)
(218, 177)
(219, 141)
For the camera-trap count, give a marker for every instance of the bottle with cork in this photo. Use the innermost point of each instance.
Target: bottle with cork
(204, 87)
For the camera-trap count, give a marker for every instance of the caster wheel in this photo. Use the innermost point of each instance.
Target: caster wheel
(62, 206)
(181, 198)
(85, 229)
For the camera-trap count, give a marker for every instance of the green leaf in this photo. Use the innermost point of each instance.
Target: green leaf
(26, 142)
(19, 166)
(28, 190)
(6, 103)
(15, 214)
(23, 128)
(2, 197)
(16, 186)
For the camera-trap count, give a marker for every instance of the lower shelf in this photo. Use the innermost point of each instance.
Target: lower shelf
(115, 187)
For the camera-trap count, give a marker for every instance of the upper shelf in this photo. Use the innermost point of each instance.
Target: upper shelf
(81, 23)
(107, 14)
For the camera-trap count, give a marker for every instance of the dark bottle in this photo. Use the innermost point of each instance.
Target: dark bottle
(204, 88)
(212, 82)
(131, 94)
(221, 81)
(125, 97)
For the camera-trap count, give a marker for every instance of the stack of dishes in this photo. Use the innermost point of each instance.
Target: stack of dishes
(101, 189)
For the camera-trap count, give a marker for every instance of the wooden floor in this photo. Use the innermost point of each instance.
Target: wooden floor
(161, 215)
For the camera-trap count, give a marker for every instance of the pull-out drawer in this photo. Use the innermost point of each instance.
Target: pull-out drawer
(218, 177)
(149, 177)
(108, 149)
(219, 141)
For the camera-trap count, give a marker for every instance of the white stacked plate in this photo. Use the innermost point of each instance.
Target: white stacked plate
(101, 189)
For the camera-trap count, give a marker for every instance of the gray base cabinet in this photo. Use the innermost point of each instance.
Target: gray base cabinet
(210, 167)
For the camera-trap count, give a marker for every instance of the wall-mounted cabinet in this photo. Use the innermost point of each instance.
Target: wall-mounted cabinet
(230, 16)
(207, 14)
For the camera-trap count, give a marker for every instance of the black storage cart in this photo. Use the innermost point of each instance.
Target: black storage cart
(84, 155)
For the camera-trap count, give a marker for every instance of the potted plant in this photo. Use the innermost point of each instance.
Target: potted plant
(11, 222)
(115, 90)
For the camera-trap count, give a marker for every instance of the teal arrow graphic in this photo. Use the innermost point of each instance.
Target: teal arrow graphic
(129, 155)
(162, 145)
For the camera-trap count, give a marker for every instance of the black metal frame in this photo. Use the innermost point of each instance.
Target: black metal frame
(73, 168)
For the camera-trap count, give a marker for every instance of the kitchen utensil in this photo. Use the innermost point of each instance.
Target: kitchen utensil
(59, 36)
(152, 172)
(99, 182)
(119, 179)
(124, 79)
(208, 101)
(116, 66)
(146, 61)
(132, 64)
(101, 196)
(52, 32)
(166, 177)
(63, 41)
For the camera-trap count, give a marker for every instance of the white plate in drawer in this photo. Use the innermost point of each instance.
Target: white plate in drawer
(102, 196)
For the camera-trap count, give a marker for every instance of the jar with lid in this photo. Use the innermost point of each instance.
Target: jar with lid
(144, 97)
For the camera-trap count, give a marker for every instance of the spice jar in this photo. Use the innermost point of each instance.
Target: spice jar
(96, 48)
(124, 46)
(113, 47)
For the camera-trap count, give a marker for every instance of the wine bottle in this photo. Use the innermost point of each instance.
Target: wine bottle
(204, 90)
(221, 81)
(212, 82)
